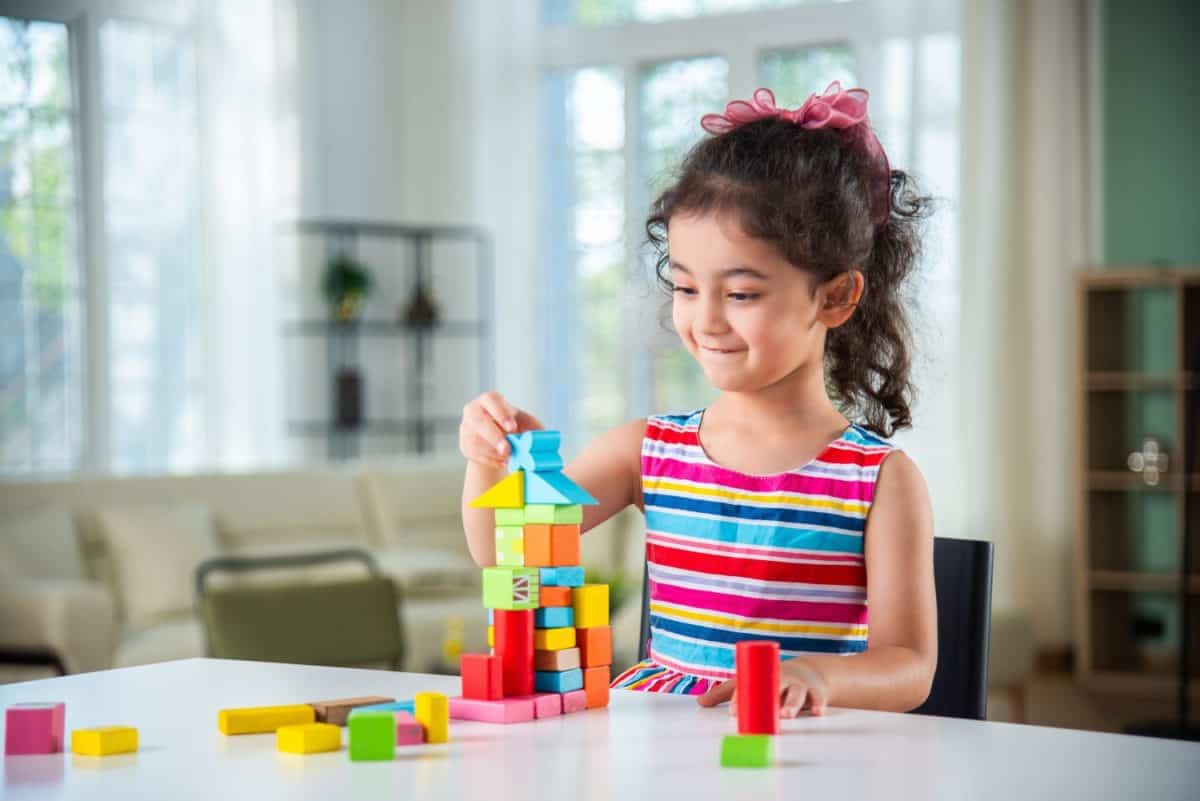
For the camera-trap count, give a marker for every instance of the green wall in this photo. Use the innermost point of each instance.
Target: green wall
(1151, 157)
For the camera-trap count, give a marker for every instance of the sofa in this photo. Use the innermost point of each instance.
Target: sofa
(98, 572)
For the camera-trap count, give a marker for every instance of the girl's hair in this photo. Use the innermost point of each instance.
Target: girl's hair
(809, 193)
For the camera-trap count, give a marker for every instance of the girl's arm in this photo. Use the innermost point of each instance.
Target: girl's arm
(610, 468)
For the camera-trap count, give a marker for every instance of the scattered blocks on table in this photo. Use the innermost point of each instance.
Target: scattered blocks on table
(595, 686)
(534, 451)
(547, 705)
(510, 546)
(263, 719)
(561, 576)
(574, 701)
(504, 710)
(564, 681)
(104, 740)
(393, 706)
(591, 605)
(409, 730)
(756, 666)
(747, 751)
(595, 646)
(554, 488)
(550, 513)
(372, 736)
(510, 517)
(433, 712)
(482, 677)
(562, 659)
(538, 547)
(564, 544)
(510, 587)
(554, 617)
(337, 711)
(306, 738)
(553, 639)
(509, 493)
(515, 646)
(554, 596)
(34, 728)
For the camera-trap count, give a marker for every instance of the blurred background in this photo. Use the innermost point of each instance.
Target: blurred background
(256, 255)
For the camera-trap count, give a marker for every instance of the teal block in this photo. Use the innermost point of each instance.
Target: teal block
(561, 681)
(510, 587)
(747, 751)
(510, 546)
(391, 706)
(534, 451)
(562, 576)
(548, 513)
(554, 617)
(510, 517)
(554, 488)
(372, 736)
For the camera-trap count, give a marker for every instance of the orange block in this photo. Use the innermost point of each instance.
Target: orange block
(595, 645)
(538, 545)
(595, 686)
(564, 545)
(554, 596)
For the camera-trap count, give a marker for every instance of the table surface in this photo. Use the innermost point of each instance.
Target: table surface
(642, 745)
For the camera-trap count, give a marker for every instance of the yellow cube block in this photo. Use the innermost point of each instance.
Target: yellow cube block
(553, 639)
(591, 605)
(491, 636)
(104, 740)
(432, 710)
(308, 738)
(263, 719)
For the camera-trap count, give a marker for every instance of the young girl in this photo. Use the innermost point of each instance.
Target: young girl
(786, 241)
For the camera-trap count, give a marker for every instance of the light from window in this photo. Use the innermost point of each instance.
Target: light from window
(610, 12)
(795, 73)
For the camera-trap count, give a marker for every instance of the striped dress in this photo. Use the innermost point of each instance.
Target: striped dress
(736, 557)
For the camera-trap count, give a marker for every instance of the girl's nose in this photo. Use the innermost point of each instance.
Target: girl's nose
(711, 315)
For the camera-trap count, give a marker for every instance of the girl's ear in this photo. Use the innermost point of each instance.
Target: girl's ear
(839, 297)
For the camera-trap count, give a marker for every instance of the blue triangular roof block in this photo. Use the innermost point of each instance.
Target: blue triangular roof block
(555, 488)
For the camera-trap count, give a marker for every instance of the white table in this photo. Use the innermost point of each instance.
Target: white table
(643, 746)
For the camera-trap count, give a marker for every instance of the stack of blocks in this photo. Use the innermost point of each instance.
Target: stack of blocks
(549, 631)
(757, 673)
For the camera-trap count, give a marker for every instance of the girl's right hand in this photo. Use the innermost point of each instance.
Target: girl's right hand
(485, 422)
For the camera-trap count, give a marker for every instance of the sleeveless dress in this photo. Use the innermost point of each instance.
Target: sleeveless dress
(737, 557)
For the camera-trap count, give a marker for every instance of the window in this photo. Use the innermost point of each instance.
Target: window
(609, 12)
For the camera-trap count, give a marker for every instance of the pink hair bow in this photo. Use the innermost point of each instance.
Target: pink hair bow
(844, 110)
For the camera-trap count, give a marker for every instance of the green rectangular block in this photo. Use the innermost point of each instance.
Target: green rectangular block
(372, 736)
(510, 517)
(510, 546)
(747, 751)
(546, 513)
(510, 587)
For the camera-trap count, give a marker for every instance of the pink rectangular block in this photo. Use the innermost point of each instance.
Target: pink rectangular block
(506, 710)
(574, 701)
(409, 730)
(34, 728)
(547, 705)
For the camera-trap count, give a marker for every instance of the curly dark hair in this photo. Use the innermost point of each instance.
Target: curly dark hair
(809, 193)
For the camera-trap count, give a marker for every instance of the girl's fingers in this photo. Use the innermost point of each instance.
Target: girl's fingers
(488, 431)
(792, 699)
(502, 411)
(527, 422)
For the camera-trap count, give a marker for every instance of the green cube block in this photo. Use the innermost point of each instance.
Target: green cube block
(372, 736)
(510, 517)
(747, 751)
(546, 513)
(510, 546)
(510, 587)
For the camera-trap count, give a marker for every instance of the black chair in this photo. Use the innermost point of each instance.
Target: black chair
(962, 575)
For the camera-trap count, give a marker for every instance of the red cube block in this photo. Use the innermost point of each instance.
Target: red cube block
(482, 677)
(34, 728)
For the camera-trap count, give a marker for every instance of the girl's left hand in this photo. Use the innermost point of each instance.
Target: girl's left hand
(801, 686)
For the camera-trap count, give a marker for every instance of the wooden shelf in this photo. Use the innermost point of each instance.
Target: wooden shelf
(1138, 582)
(1127, 480)
(1142, 685)
(1119, 381)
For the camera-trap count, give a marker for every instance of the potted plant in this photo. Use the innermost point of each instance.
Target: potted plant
(346, 284)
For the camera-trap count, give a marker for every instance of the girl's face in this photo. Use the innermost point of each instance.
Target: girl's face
(747, 315)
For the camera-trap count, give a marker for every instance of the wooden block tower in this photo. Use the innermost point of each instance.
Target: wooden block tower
(549, 631)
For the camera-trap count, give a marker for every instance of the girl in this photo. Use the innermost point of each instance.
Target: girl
(786, 241)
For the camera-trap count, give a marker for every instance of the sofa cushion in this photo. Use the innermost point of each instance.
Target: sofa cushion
(155, 550)
(40, 544)
(430, 572)
(177, 638)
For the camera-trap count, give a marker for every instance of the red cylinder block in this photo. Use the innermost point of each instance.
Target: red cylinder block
(514, 646)
(757, 673)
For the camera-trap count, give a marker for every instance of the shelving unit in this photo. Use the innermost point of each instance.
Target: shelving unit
(417, 428)
(1139, 345)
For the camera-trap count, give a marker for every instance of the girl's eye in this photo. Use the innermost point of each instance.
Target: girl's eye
(683, 290)
(742, 296)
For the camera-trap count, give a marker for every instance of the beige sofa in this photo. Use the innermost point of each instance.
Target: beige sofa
(100, 571)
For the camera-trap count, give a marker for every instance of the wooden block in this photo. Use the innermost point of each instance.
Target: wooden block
(575, 701)
(372, 736)
(554, 617)
(409, 730)
(104, 740)
(564, 545)
(554, 596)
(337, 711)
(547, 705)
(757, 671)
(510, 587)
(595, 685)
(34, 728)
(510, 517)
(538, 548)
(482, 677)
(263, 719)
(591, 605)
(514, 646)
(393, 706)
(553, 639)
(549, 513)
(433, 712)
(561, 576)
(595, 646)
(510, 546)
(554, 488)
(534, 451)
(747, 751)
(563, 681)
(506, 710)
(508, 493)
(563, 659)
(491, 636)
(308, 738)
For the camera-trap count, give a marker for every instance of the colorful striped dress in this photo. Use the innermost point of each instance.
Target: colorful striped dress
(735, 557)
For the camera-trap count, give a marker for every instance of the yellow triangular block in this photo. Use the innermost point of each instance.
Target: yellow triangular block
(508, 494)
